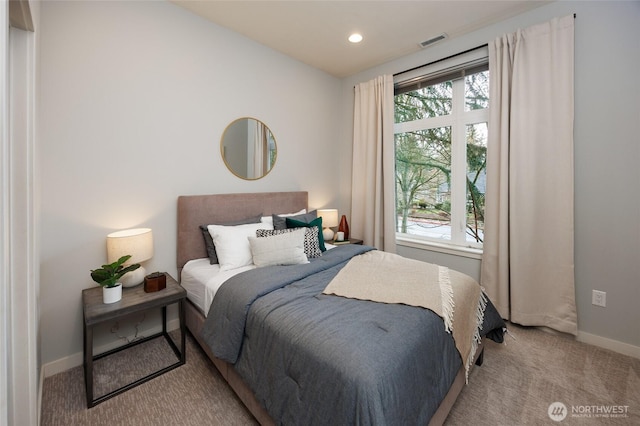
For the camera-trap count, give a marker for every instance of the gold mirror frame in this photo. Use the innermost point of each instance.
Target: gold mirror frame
(248, 148)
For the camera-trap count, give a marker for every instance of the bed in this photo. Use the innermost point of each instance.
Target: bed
(300, 356)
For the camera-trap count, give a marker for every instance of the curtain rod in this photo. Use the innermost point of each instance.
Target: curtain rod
(440, 60)
(448, 57)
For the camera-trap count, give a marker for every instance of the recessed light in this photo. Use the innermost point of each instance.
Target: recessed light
(355, 38)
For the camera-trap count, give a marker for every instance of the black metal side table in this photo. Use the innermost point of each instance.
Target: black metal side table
(133, 300)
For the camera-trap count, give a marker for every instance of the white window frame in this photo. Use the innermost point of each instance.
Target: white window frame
(458, 120)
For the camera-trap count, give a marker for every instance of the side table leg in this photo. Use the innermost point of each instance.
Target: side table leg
(181, 315)
(164, 320)
(88, 363)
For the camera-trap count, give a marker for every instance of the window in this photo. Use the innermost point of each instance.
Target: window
(441, 133)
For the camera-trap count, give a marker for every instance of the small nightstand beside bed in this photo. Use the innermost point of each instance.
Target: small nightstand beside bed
(297, 355)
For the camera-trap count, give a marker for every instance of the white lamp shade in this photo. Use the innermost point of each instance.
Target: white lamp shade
(136, 242)
(329, 217)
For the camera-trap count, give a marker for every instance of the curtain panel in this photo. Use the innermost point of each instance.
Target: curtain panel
(373, 205)
(528, 260)
(260, 150)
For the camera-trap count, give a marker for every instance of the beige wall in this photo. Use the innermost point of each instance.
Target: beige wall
(134, 99)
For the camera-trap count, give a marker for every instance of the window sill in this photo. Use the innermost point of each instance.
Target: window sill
(406, 241)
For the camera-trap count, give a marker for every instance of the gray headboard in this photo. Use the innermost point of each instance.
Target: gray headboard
(196, 210)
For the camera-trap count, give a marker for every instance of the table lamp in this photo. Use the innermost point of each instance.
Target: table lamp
(329, 220)
(136, 242)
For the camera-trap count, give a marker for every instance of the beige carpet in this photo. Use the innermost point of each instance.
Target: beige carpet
(515, 386)
(521, 378)
(193, 394)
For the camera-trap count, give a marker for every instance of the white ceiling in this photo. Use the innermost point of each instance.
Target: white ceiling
(315, 32)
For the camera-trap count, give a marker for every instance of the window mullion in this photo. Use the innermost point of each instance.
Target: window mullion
(423, 124)
(476, 116)
(458, 165)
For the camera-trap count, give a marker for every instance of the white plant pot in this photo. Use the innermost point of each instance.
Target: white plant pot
(112, 294)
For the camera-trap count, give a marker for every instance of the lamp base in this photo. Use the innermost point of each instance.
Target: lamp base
(327, 234)
(133, 278)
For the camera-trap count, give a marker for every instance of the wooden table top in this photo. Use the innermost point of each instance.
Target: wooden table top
(134, 299)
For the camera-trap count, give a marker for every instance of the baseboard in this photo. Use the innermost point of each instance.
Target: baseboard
(77, 359)
(613, 345)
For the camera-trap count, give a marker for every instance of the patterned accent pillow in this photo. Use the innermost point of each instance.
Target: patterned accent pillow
(317, 223)
(311, 243)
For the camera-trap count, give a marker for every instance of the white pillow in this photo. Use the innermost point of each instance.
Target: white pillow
(232, 243)
(282, 249)
(269, 219)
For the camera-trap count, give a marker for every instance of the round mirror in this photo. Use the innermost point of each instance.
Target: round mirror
(248, 148)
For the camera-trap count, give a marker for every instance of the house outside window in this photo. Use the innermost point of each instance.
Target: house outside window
(440, 143)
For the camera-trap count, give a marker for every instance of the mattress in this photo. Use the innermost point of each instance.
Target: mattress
(202, 280)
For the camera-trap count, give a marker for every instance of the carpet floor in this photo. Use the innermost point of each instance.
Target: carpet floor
(516, 385)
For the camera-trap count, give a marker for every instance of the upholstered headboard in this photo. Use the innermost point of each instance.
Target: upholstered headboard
(196, 210)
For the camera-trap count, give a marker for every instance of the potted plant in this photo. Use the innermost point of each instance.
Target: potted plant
(108, 276)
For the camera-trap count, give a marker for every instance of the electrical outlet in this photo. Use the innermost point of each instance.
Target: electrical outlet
(599, 298)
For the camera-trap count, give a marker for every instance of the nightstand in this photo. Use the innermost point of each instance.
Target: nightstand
(134, 300)
(349, 241)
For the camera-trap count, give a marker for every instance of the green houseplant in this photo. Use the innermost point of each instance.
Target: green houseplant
(108, 276)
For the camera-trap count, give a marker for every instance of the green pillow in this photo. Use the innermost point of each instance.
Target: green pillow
(292, 223)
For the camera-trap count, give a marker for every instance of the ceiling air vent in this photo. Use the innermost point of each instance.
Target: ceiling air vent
(433, 40)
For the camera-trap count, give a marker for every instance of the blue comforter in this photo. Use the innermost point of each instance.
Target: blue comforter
(315, 359)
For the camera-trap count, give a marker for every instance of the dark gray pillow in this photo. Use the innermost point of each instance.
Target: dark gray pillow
(208, 240)
(280, 222)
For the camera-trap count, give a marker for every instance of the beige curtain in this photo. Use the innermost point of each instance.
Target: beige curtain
(260, 150)
(527, 265)
(373, 206)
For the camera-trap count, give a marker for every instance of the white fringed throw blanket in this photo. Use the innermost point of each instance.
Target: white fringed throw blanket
(389, 278)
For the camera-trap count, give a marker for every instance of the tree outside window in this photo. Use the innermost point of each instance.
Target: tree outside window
(441, 142)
